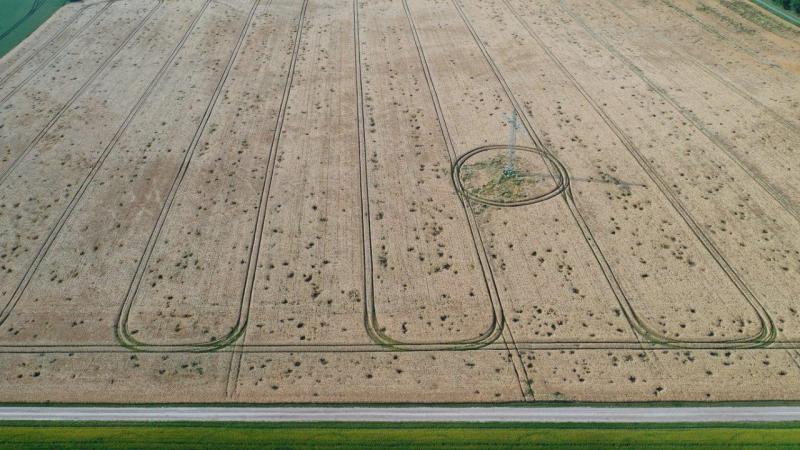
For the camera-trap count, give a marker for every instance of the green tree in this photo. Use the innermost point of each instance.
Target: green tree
(796, 6)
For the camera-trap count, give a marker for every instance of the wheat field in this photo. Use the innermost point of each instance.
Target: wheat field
(279, 201)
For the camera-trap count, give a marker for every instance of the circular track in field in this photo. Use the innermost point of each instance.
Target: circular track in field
(484, 175)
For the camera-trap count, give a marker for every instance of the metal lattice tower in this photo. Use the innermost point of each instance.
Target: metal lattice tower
(513, 124)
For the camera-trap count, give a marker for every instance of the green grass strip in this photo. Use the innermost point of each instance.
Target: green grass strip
(394, 436)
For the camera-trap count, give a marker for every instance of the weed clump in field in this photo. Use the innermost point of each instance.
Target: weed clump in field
(491, 179)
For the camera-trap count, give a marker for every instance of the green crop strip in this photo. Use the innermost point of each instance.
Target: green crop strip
(418, 436)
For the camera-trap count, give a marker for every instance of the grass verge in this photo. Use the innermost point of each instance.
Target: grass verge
(84, 435)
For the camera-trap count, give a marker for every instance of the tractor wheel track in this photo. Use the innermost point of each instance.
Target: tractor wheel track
(788, 124)
(78, 196)
(4, 176)
(261, 214)
(17, 66)
(477, 241)
(495, 328)
(122, 332)
(767, 331)
(773, 192)
(50, 58)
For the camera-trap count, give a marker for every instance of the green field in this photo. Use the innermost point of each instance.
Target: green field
(413, 436)
(19, 18)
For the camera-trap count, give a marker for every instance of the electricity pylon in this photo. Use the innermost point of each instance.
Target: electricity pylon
(513, 125)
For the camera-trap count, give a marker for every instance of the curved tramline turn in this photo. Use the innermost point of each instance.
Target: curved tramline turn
(560, 187)
(767, 330)
(414, 201)
(42, 252)
(123, 333)
(371, 320)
